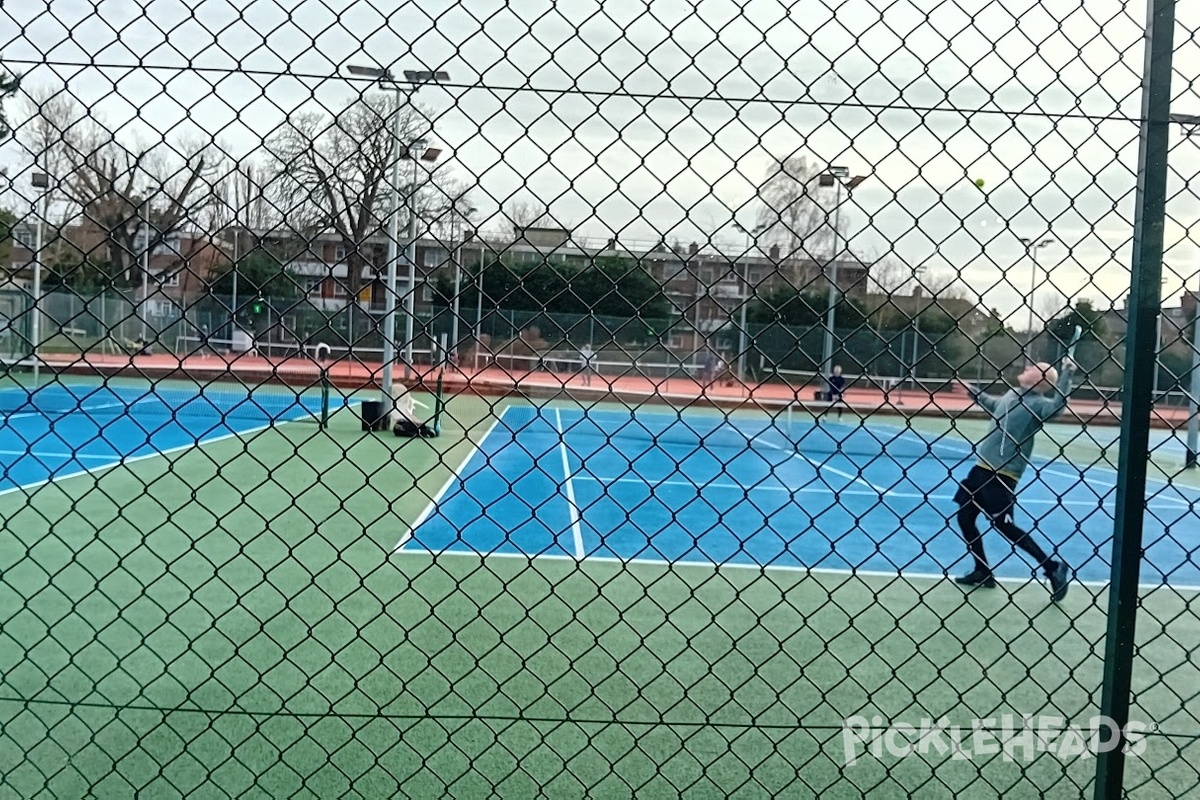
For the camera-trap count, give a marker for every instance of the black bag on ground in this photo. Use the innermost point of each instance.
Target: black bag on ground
(406, 427)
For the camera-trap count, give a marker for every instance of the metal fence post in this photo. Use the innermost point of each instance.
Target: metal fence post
(1144, 306)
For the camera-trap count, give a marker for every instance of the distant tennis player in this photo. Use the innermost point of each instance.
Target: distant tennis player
(1003, 456)
(837, 389)
(587, 364)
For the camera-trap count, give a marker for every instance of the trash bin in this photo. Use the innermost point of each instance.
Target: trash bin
(373, 418)
(819, 395)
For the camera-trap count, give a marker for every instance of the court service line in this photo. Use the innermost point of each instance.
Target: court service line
(760, 568)
(1097, 503)
(455, 475)
(576, 530)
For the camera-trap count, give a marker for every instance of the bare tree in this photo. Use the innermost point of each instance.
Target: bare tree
(452, 216)
(117, 188)
(889, 273)
(1050, 305)
(8, 87)
(795, 213)
(333, 173)
(526, 213)
(241, 203)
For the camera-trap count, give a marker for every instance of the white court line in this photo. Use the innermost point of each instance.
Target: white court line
(69, 456)
(119, 462)
(455, 475)
(1042, 466)
(699, 487)
(712, 565)
(818, 465)
(562, 448)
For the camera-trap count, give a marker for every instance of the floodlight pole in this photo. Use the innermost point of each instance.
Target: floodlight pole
(839, 177)
(916, 327)
(479, 304)
(411, 255)
(414, 81)
(1193, 430)
(1191, 126)
(1031, 248)
(41, 180)
(456, 310)
(751, 236)
(145, 268)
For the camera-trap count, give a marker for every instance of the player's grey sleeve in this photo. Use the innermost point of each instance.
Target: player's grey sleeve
(986, 401)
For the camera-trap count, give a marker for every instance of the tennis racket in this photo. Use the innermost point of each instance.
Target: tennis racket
(1076, 335)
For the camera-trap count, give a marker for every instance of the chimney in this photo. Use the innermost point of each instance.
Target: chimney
(693, 248)
(774, 252)
(1187, 304)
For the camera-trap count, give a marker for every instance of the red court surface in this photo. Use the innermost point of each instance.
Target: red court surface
(351, 375)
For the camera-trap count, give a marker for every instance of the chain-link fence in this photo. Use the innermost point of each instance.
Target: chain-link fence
(720, 399)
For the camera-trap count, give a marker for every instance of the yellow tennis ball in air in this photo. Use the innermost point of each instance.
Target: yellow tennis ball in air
(979, 182)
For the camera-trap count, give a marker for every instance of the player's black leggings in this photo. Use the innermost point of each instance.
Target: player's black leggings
(993, 494)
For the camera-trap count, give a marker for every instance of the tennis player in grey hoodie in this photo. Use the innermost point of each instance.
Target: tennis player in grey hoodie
(1003, 457)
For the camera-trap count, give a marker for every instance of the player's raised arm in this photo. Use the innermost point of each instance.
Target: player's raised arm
(986, 401)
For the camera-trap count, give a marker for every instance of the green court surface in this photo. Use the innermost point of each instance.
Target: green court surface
(230, 620)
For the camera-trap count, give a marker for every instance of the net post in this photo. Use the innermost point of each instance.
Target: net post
(1141, 345)
(324, 397)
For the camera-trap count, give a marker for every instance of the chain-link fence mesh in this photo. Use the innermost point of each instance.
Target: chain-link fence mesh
(729, 399)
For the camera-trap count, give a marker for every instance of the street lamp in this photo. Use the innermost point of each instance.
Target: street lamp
(839, 177)
(412, 81)
(752, 234)
(1031, 248)
(40, 180)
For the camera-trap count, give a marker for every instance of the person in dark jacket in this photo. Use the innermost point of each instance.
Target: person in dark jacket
(837, 388)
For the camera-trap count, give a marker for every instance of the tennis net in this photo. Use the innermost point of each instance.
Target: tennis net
(785, 430)
(213, 401)
(570, 362)
(802, 380)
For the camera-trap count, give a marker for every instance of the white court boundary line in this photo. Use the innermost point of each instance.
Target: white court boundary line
(1042, 465)
(576, 530)
(1097, 503)
(120, 462)
(455, 475)
(51, 454)
(761, 568)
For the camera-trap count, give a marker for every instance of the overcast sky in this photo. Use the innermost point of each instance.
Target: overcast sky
(645, 119)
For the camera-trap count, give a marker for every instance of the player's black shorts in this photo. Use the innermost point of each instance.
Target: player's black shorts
(994, 494)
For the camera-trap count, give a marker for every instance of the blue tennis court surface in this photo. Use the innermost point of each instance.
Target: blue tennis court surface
(703, 489)
(60, 430)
